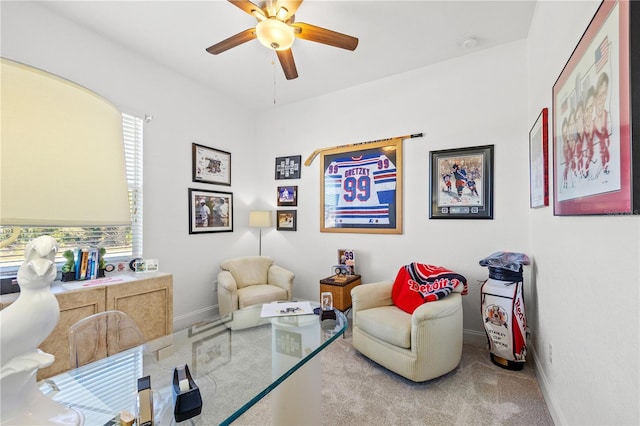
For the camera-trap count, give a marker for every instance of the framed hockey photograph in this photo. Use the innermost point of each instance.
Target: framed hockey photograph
(361, 189)
(287, 196)
(538, 162)
(211, 351)
(210, 165)
(462, 183)
(288, 167)
(210, 211)
(596, 105)
(286, 220)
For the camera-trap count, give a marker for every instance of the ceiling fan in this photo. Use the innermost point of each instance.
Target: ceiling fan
(277, 30)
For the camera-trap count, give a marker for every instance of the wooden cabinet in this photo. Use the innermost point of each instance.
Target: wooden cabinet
(340, 288)
(148, 300)
(74, 305)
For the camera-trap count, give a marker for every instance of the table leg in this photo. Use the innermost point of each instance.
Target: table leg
(298, 399)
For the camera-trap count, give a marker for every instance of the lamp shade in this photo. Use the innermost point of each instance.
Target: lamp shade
(62, 154)
(260, 219)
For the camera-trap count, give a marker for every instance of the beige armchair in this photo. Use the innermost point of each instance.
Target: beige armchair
(251, 280)
(419, 346)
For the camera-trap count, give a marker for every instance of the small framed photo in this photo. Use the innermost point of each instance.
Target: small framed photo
(146, 265)
(210, 211)
(288, 167)
(462, 183)
(210, 165)
(287, 220)
(287, 196)
(538, 162)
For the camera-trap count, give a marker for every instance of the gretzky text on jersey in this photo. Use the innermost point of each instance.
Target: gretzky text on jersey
(358, 190)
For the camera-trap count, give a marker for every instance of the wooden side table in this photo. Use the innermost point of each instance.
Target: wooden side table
(340, 288)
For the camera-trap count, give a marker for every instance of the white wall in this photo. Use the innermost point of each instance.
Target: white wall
(587, 271)
(471, 101)
(476, 100)
(183, 111)
(582, 291)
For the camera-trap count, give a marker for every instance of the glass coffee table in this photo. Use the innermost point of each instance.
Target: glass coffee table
(235, 361)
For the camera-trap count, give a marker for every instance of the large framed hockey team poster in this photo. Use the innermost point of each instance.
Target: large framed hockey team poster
(361, 189)
(596, 117)
(462, 183)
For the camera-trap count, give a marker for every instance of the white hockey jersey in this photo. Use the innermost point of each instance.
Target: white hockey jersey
(358, 190)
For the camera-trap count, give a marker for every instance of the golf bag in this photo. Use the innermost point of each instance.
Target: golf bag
(504, 317)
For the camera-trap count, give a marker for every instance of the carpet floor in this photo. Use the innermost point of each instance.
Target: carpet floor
(357, 391)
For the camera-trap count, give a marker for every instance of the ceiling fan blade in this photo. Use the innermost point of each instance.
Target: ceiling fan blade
(288, 64)
(324, 36)
(291, 6)
(233, 41)
(245, 5)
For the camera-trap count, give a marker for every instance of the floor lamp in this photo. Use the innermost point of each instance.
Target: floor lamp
(260, 219)
(62, 164)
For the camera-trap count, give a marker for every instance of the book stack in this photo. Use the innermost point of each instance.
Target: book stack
(87, 263)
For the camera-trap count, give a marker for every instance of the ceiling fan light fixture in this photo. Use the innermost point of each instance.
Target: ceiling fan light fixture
(275, 34)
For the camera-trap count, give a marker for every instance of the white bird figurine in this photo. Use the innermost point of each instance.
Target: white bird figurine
(33, 316)
(23, 327)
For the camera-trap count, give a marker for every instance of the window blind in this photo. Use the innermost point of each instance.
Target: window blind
(99, 390)
(119, 241)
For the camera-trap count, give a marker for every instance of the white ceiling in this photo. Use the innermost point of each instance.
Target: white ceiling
(395, 37)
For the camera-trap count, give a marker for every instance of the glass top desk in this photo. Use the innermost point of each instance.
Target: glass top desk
(235, 361)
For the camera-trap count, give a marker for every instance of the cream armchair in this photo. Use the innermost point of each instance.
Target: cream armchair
(251, 280)
(418, 346)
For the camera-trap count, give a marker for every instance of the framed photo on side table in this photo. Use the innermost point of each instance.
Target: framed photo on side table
(210, 211)
(462, 183)
(596, 118)
(210, 165)
(361, 188)
(538, 161)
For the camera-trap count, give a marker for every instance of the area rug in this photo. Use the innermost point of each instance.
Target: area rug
(357, 391)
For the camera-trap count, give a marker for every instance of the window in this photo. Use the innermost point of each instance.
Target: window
(119, 241)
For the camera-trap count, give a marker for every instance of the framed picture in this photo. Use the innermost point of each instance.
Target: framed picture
(287, 220)
(287, 196)
(462, 183)
(210, 165)
(288, 167)
(595, 106)
(210, 211)
(211, 351)
(361, 189)
(538, 161)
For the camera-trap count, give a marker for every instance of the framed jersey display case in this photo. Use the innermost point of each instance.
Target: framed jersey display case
(462, 183)
(361, 189)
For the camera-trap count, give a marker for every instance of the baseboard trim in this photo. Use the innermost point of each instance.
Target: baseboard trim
(545, 388)
(473, 337)
(183, 321)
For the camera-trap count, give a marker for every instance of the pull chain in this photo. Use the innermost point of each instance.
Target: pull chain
(273, 63)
